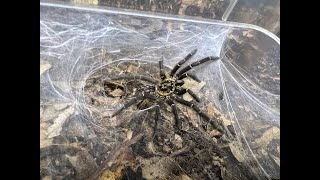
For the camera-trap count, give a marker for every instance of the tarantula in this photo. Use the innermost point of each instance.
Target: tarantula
(168, 90)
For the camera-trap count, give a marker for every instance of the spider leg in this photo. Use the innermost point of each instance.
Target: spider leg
(179, 82)
(197, 63)
(135, 77)
(192, 76)
(182, 90)
(175, 113)
(177, 66)
(162, 73)
(157, 118)
(193, 95)
(190, 104)
(128, 104)
(197, 109)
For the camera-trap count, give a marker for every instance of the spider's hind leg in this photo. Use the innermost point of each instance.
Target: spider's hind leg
(157, 118)
(175, 113)
(134, 77)
(202, 114)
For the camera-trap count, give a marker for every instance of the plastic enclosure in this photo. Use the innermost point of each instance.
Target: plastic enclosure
(263, 13)
(215, 10)
(72, 39)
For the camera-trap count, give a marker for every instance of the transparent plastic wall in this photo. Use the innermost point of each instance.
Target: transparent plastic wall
(83, 48)
(263, 13)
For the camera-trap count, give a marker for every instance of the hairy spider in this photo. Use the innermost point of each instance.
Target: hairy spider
(168, 90)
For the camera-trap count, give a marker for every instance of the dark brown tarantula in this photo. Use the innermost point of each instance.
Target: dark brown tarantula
(168, 89)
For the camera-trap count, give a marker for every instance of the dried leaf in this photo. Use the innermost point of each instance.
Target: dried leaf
(132, 68)
(185, 177)
(114, 121)
(178, 141)
(194, 116)
(194, 86)
(41, 113)
(268, 136)
(247, 109)
(261, 125)
(276, 159)
(47, 178)
(83, 164)
(52, 111)
(109, 175)
(214, 112)
(235, 37)
(151, 148)
(126, 157)
(247, 34)
(276, 78)
(161, 168)
(55, 128)
(44, 141)
(44, 67)
(214, 133)
(237, 151)
(49, 113)
(61, 106)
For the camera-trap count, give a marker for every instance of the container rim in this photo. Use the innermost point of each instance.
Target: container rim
(158, 16)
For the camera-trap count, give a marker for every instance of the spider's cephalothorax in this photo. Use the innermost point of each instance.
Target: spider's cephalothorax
(168, 89)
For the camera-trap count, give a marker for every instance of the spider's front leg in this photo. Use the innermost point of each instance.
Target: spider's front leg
(192, 76)
(177, 66)
(197, 63)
